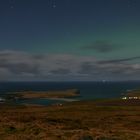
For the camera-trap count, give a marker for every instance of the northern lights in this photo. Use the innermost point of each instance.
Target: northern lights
(68, 39)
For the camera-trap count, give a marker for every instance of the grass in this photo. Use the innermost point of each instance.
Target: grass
(47, 94)
(88, 120)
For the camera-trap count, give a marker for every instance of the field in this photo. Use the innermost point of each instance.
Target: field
(87, 120)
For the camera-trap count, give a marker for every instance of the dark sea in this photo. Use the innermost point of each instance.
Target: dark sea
(88, 90)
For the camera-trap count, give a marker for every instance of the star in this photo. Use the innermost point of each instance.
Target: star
(12, 2)
(54, 6)
(12, 7)
(129, 3)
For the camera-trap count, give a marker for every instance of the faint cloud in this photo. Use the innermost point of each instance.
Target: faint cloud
(119, 60)
(61, 71)
(16, 65)
(102, 46)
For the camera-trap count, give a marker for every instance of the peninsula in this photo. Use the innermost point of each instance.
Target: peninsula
(48, 94)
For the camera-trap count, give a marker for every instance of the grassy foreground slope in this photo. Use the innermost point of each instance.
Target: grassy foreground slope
(89, 120)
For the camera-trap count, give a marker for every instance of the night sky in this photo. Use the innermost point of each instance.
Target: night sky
(68, 40)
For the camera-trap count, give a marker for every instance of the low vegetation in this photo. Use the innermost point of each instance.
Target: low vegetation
(87, 120)
(48, 94)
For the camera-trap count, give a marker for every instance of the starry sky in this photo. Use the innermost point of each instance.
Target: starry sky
(58, 40)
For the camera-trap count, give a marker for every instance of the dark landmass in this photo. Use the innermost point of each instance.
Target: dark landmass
(48, 94)
(84, 120)
(134, 93)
